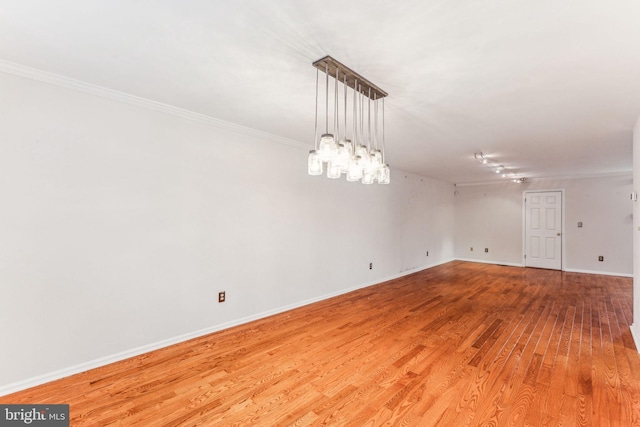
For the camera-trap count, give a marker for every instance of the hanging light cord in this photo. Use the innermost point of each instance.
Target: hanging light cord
(316, 124)
(355, 115)
(361, 115)
(344, 84)
(369, 118)
(326, 101)
(336, 122)
(383, 158)
(375, 120)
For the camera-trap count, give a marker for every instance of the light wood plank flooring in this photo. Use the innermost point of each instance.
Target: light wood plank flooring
(462, 344)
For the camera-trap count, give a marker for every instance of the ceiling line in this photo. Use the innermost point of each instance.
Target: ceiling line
(137, 101)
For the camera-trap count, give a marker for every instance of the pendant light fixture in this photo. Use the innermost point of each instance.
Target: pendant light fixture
(358, 156)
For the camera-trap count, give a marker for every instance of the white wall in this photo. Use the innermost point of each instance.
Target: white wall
(635, 328)
(490, 216)
(119, 225)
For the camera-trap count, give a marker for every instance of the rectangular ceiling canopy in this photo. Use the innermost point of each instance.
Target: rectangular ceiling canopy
(330, 65)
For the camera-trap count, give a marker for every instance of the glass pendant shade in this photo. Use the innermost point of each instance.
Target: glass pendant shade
(345, 156)
(384, 175)
(333, 170)
(376, 158)
(342, 158)
(361, 150)
(371, 166)
(314, 164)
(348, 145)
(354, 171)
(367, 177)
(327, 147)
(363, 153)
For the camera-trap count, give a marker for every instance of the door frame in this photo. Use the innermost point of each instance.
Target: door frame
(563, 224)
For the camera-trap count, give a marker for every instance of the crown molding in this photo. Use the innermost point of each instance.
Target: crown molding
(114, 95)
(585, 176)
(546, 178)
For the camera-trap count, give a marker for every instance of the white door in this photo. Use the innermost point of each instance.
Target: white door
(543, 229)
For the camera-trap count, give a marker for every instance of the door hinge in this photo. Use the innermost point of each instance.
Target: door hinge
(525, 256)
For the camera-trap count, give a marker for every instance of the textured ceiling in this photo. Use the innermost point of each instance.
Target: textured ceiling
(549, 88)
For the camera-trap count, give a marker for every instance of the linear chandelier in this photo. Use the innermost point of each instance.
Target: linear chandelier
(358, 155)
(497, 168)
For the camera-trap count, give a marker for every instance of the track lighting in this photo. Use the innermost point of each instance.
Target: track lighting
(497, 168)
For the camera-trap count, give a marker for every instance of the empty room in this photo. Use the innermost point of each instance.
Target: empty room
(273, 213)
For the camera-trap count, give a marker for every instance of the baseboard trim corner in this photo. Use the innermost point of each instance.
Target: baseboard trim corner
(635, 337)
(604, 273)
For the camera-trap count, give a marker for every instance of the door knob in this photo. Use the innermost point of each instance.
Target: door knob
(557, 234)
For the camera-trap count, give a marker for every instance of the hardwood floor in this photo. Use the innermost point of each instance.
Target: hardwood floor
(462, 344)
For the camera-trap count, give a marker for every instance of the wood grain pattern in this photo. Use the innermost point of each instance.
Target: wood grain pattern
(462, 344)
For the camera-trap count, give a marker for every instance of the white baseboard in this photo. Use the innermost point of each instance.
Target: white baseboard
(570, 270)
(102, 361)
(604, 273)
(635, 337)
(96, 363)
(484, 261)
